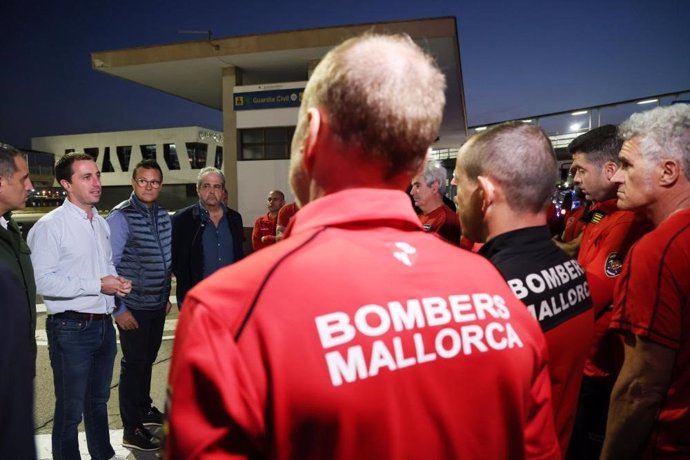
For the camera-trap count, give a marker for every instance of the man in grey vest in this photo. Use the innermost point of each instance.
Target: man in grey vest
(140, 236)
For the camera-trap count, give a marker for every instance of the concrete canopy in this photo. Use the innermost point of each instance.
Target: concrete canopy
(193, 70)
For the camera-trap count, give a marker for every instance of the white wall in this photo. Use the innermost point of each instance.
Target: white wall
(254, 180)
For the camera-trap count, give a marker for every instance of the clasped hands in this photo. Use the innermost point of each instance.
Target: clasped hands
(115, 285)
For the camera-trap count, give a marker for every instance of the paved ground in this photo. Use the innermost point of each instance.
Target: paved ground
(45, 400)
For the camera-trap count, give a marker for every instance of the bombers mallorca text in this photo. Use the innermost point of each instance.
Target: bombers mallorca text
(551, 279)
(465, 324)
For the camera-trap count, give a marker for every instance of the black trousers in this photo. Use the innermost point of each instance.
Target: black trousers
(139, 351)
(590, 419)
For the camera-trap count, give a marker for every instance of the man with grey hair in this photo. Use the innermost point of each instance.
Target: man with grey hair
(350, 339)
(15, 186)
(427, 192)
(649, 416)
(505, 177)
(207, 235)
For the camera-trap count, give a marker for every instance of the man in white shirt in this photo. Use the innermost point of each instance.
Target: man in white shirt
(72, 259)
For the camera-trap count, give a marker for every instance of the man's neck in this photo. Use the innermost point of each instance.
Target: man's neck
(88, 209)
(432, 206)
(509, 221)
(667, 205)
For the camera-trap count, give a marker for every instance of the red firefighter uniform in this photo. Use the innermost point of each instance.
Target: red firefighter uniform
(354, 340)
(264, 229)
(606, 239)
(651, 301)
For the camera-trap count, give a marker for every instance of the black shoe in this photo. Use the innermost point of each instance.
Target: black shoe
(140, 439)
(152, 417)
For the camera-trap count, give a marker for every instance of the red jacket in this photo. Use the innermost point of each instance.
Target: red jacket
(355, 339)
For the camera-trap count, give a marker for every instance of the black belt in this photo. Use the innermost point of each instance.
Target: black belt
(83, 316)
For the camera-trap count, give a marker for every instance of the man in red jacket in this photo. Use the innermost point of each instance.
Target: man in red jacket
(608, 234)
(264, 233)
(350, 340)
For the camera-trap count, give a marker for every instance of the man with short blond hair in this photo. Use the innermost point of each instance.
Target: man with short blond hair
(349, 339)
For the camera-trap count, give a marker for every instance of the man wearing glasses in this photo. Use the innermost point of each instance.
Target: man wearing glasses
(206, 235)
(141, 233)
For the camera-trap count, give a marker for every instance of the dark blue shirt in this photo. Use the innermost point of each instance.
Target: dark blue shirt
(217, 243)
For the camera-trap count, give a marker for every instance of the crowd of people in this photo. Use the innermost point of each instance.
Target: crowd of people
(359, 328)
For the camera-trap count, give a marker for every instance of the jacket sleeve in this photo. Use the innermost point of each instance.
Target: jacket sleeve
(541, 441)
(213, 410)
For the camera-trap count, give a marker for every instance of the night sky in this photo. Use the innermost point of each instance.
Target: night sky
(519, 58)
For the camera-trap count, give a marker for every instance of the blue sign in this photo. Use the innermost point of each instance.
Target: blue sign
(277, 98)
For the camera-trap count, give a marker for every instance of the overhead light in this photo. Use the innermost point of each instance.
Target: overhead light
(480, 128)
(579, 112)
(575, 126)
(648, 101)
(527, 121)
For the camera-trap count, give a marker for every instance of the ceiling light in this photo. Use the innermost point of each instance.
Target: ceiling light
(575, 126)
(648, 101)
(579, 112)
(480, 128)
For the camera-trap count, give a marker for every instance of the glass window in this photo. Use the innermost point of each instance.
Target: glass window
(107, 164)
(170, 156)
(92, 151)
(197, 154)
(148, 152)
(124, 153)
(219, 157)
(266, 143)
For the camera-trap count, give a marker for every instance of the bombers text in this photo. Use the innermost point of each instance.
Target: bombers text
(464, 324)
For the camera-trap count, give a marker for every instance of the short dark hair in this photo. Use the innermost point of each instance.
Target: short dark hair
(148, 164)
(600, 145)
(279, 193)
(63, 167)
(7, 162)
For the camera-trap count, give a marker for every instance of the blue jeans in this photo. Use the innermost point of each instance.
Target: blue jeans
(82, 354)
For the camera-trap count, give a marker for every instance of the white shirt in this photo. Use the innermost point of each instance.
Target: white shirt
(3, 222)
(70, 255)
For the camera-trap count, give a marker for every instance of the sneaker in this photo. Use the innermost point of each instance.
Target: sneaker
(140, 439)
(152, 417)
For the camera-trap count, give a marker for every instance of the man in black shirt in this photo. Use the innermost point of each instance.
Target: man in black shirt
(505, 177)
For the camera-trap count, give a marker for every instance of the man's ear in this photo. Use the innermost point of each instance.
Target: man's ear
(610, 169)
(65, 184)
(312, 134)
(670, 171)
(488, 190)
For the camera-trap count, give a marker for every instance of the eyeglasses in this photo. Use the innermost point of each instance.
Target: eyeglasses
(144, 183)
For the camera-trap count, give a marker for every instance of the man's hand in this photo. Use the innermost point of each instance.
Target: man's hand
(126, 321)
(168, 306)
(115, 285)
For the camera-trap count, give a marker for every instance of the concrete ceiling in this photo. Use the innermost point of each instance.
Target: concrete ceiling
(193, 70)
